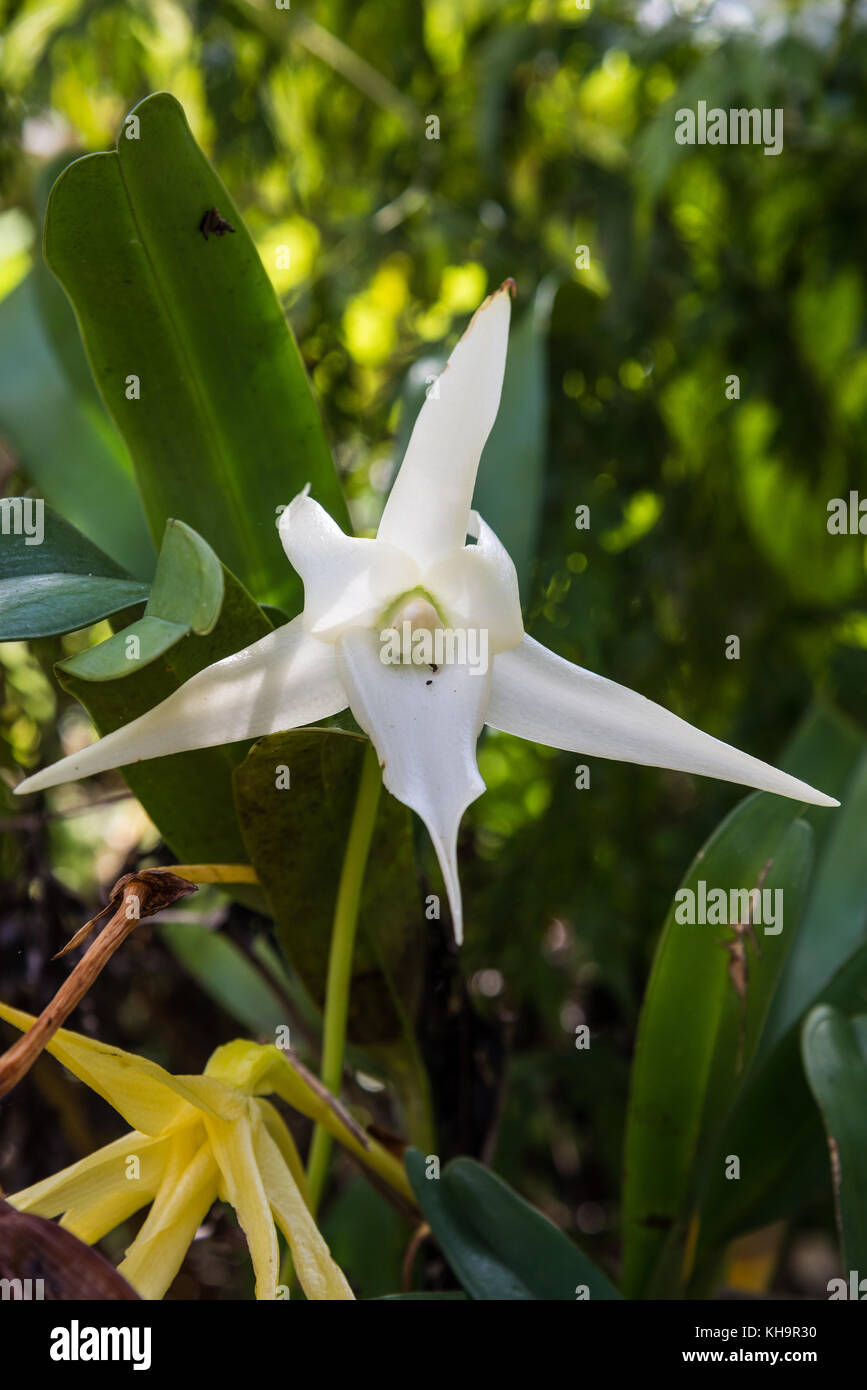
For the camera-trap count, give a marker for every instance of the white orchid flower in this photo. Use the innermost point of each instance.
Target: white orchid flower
(366, 599)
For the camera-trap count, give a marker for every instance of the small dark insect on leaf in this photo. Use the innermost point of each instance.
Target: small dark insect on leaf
(213, 222)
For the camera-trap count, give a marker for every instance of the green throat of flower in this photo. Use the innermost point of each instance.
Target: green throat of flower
(416, 606)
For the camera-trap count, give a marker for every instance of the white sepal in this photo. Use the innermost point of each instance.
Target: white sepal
(539, 696)
(284, 680)
(478, 587)
(347, 580)
(429, 504)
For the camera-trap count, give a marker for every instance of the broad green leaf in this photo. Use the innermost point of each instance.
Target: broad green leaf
(222, 427)
(699, 1027)
(276, 968)
(57, 314)
(496, 1243)
(295, 837)
(71, 453)
(227, 976)
(775, 1131)
(825, 748)
(187, 795)
(54, 580)
(835, 1061)
(186, 596)
(773, 1127)
(835, 919)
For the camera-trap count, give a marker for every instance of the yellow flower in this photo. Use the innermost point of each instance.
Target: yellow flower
(196, 1139)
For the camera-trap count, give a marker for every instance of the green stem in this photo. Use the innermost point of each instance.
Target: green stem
(340, 958)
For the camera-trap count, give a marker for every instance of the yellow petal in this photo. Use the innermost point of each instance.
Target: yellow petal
(149, 1098)
(182, 1147)
(232, 1145)
(258, 1070)
(95, 1194)
(213, 1097)
(93, 1221)
(241, 1064)
(319, 1276)
(280, 1133)
(185, 1196)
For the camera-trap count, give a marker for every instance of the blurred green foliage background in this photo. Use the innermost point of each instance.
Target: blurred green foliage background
(555, 130)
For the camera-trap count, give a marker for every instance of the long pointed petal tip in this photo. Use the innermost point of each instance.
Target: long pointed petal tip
(784, 784)
(536, 695)
(821, 799)
(36, 782)
(509, 289)
(448, 862)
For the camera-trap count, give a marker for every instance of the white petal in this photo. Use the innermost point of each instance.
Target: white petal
(424, 726)
(428, 507)
(347, 580)
(539, 696)
(478, 587)
(284, 680)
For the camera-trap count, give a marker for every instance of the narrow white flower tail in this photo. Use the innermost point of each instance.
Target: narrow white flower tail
(424, 725)
(539, 696)
(284, 680)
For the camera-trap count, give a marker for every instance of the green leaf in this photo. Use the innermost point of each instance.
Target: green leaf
(295, 838)
(835, 1059)
(496, 1243)
(54, 580)
(699, 1029)
(227, 976)
(773, 1127)
(186, 597)
(825, 748)
(226, 429)
(68, 447)
(836, 915)
(775, 1131)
